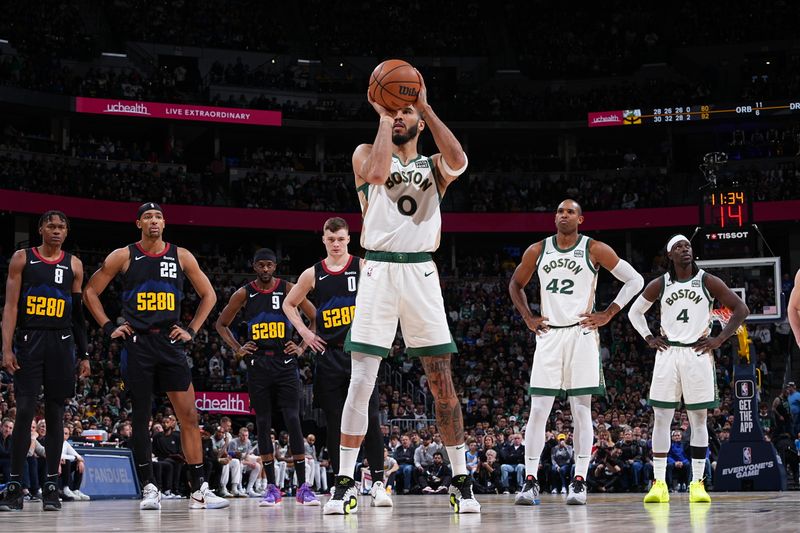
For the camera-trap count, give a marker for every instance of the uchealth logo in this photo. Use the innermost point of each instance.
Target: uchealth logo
(235, 403)
(137, 109)
(744, 389)
(601, 119)
(747, 455)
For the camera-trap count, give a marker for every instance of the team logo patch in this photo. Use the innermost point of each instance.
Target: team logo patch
(695, 283)
(422, 163)
(578, 253)
(744, 389)
(747, 455)
(369, 272)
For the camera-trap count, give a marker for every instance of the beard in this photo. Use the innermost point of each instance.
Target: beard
(399, 139)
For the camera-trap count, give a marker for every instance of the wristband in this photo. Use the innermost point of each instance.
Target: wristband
(108, 328)
(191, 332)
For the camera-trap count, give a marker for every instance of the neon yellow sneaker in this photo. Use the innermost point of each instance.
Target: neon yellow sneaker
(659, 493)
(697, 492)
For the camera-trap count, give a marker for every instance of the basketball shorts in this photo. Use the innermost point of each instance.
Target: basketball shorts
(681, 371)
(273, 380)
(408, 292)
(46, 358)
(567, 361)
(154, 360)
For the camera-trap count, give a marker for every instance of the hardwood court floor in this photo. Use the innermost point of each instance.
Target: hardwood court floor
(729, 513)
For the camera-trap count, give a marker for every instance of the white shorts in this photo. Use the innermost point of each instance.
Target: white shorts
(408, 292)
(567, 361)
(681, 371)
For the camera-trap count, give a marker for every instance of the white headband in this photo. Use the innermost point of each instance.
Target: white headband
(675, 240)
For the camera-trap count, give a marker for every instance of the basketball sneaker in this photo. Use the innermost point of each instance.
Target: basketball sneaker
(379, 496)
(206, 499)
(462, 500)
(78, 495)
(151, 498)
(697, 492)
(306, 496)
(529, 495)
(12, 497)
(577, 491)
(659, 493)
(272, 497)
(345, 497)
(50, 501)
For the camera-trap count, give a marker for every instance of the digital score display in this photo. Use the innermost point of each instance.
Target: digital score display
(672, 114)
(726, 210)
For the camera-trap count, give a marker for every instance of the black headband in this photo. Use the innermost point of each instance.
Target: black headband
(265, 254)
(149, 206)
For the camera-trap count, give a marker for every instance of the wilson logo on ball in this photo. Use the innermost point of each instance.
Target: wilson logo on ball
(408, 91)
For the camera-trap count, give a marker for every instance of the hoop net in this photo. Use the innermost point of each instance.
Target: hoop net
(723, 315)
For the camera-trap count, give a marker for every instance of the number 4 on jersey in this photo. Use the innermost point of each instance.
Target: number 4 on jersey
(683, 316)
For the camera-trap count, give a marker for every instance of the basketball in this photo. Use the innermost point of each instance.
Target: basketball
(394, 84)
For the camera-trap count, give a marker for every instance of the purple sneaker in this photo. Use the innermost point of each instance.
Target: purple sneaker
(272, 497)
(306, 496)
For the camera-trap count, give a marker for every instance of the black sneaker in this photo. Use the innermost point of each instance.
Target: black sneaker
(12, 497)
(462, 500)
(577, 491)
(50, 501)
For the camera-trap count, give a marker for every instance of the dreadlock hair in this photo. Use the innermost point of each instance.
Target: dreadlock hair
(671, 268)
(48, 215)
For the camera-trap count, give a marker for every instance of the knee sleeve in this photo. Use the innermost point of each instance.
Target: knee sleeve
(697, 421)
(362, 382)
(534, 430)
(582, 420)
(663, 420)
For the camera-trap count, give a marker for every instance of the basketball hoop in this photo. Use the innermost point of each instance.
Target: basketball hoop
(723, 315)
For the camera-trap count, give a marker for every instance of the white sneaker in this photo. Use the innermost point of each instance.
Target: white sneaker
(206, 499)
(379, 496)
(223, 493)
(345, 497)
(151, 498)
(253, 494)
(563, 490)
(69, 494)
(577, 492)
(239, 492)
(529, 495)
(428, 490)
(78, 494)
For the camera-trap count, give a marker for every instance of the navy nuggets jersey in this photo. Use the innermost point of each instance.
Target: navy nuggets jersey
(45, 298)
(336, 300)
(267, 325)
(152, 288)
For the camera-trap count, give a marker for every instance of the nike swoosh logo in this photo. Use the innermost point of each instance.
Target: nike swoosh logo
(550, 252)
(201, 500)
(323, 277)
(286, 362)
(139, 257)
(34, 262)
(253, 295)
(65, 337)
(587, 332)
(173, 341)
(428, 274)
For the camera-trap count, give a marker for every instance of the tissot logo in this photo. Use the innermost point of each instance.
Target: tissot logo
(119, 107)
(727, 235)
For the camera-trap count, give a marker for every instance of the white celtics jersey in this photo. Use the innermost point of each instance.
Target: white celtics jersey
(568, 280)
(685, 309)
(403, 214)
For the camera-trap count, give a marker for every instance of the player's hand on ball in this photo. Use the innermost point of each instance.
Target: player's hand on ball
(382, 111)
(657, 343)
(537, 324)
(422, 97)
(707, 344)
(123, 331)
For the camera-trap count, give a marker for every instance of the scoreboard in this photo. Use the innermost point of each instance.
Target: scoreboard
(726, 218)
(670, 114)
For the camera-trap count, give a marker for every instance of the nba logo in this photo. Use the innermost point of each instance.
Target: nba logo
(747, 455)
(744, 389)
